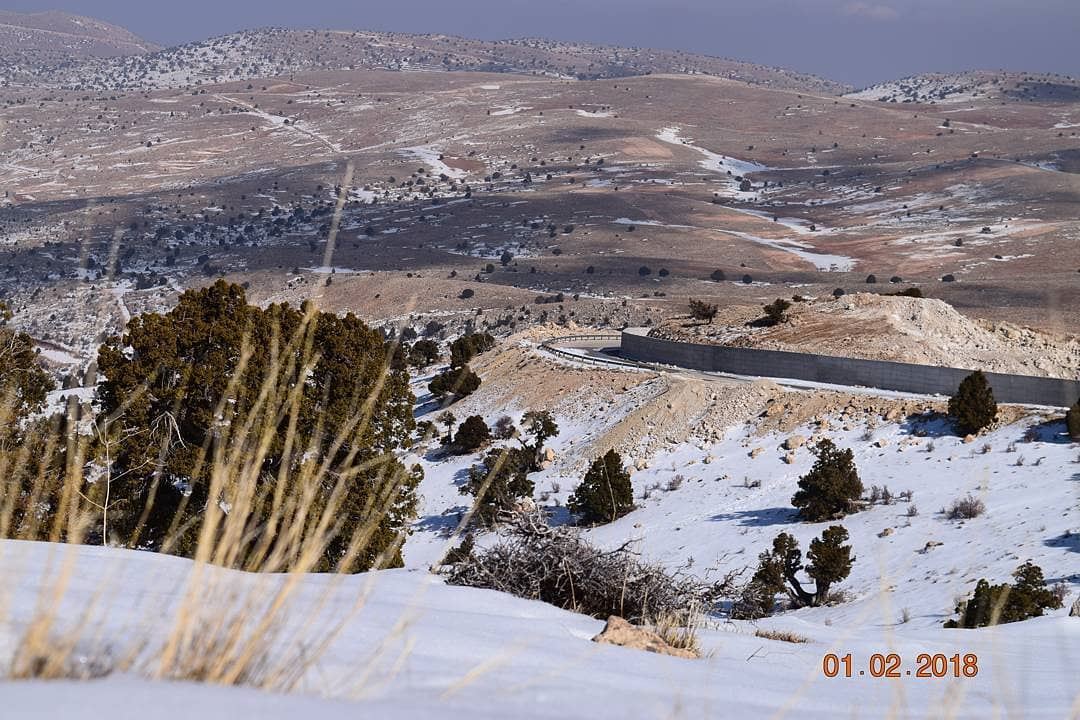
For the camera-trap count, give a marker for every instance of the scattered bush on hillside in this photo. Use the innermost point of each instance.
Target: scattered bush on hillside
(703, 311)
(832, 487)
(455, 382)
(973, 407)
(778, 568)
(500, 485)
(559, 567)
(965, 508)
(605, 494)
(472, 435)
(990, 604)
(775, 313)
(423, 353)
(467, 347)
(540, 426)
(718, 276)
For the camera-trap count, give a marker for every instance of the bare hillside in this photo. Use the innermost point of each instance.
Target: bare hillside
(56, 35)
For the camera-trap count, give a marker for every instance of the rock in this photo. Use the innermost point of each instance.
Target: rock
(549, 455)
(930, 545)
(756, 451)
(881, 442)
(794, 442)
(790, 458)
(641, 464)
(1074, 611)
(709, 459)
(619, 632)
(886, 532)
(968, 439)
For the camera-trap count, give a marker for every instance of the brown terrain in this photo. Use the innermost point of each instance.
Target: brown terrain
(569, 187)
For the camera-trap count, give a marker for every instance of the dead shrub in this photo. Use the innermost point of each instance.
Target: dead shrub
(966, 508)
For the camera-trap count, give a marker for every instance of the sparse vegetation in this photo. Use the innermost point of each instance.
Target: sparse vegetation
(778, 568)
(605, 494)
(973, 407)
(965, 508)
(831, 488)
(703, 311)
(990, 604)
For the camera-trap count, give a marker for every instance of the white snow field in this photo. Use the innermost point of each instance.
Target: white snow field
(411, 647)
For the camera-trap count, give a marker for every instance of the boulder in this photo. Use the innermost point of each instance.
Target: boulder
(1074, 611)
(794, 442)
(756, 451)
(619, 632)
(790, 458)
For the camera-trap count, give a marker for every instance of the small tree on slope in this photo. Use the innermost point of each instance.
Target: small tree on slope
(777, 572)
(973, 407)
(831, 487)
(605, 494)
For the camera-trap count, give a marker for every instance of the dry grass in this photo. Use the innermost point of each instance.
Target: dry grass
(680, 630)
(780, 635)
(234, 623)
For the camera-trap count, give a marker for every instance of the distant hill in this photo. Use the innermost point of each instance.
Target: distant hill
(55, 36)
(276, 52)
(974, 85)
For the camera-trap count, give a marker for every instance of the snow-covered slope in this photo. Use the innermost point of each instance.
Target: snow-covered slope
(416, 648)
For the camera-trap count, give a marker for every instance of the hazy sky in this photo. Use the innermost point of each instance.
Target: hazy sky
(855, 41)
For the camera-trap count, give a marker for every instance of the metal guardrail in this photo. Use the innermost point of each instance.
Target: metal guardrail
(549, 345)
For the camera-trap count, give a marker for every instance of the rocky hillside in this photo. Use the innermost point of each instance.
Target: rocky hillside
(968, 86)
(275, 52)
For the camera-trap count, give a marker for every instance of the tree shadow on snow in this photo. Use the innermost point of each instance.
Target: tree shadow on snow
(760, 518)
(1051, 431)
(929, 424)
(1067, 541)
(445, 524)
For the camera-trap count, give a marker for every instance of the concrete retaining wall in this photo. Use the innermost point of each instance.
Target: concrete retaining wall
(903, 377)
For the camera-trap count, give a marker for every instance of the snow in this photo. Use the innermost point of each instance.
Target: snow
(713, 161)
(429, 155)
(509, 111)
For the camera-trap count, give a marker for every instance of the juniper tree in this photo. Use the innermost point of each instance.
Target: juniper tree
(466, 347)
(541, 427)
(217, 386)
(455, 383)
(776, 312)
(499, 484)
(831, 487)
(605, 494)
(703, 311)
(973, 407)
(471, 435)
(990, 604)
(24, 385)
(778, 568)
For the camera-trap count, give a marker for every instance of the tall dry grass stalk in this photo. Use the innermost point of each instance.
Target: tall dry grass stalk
(225, 627)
